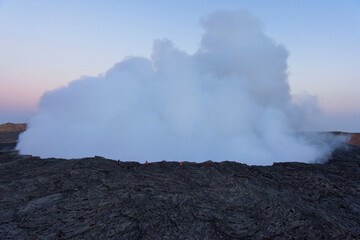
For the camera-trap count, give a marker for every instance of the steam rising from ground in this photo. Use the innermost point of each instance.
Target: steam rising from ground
(228, 101)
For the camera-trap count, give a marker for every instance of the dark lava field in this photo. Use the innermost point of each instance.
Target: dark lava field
(96, 198)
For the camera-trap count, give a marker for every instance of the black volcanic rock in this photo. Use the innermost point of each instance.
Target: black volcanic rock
(96, 198)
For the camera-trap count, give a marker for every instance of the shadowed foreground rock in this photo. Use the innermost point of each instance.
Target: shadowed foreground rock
(98, 199)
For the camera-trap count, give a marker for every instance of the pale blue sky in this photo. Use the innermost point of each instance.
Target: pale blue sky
(46, 44)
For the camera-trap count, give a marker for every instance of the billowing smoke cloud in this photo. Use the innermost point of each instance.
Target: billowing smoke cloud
(228, 101)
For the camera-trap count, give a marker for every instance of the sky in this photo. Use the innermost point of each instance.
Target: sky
(47, 44)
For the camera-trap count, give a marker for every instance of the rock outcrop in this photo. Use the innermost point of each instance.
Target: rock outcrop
(9, 133)
(12, 127)
(354, 138)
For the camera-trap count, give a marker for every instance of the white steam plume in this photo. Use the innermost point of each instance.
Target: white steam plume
(228, 101)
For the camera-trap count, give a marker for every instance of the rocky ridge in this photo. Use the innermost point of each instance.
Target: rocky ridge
(12, 127)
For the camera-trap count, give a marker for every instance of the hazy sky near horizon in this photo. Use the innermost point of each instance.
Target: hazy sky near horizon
(47, 44)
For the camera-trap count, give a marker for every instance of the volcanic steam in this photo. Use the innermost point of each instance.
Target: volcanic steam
(230, 100)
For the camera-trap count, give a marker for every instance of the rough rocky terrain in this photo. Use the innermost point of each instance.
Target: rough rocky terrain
(96, 198)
